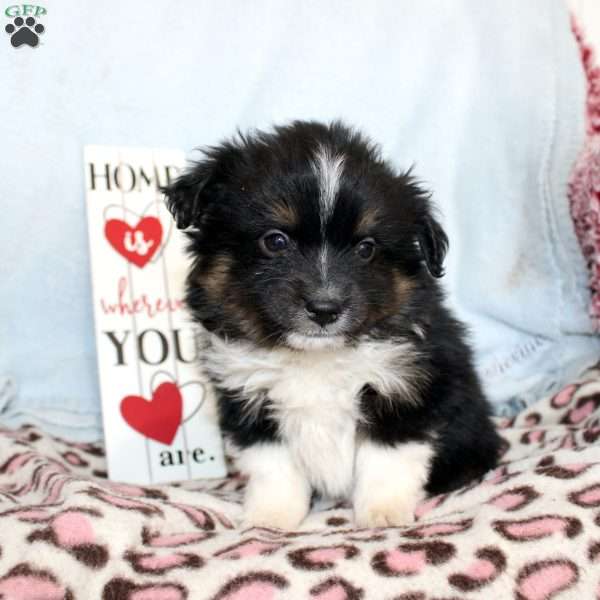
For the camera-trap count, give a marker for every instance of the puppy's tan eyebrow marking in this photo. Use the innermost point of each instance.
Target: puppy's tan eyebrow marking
(367, 221)
(285, 214)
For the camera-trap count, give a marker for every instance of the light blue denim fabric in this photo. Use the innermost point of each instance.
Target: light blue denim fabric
(485, 98)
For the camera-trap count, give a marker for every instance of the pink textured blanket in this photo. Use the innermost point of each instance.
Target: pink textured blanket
(584, 184)
(531, 530)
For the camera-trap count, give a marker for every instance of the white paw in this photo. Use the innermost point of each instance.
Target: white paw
(385, 512)
(389, 483)
(277, 495)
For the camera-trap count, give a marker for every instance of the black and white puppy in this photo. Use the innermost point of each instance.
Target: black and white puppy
(337, 368)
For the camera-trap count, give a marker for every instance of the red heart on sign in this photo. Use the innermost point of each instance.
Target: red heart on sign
(137, 244)
(157, 419)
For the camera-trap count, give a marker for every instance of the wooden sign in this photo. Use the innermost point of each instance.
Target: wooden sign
(158, 411)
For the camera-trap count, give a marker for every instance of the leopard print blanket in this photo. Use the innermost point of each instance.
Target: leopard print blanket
(530, 530)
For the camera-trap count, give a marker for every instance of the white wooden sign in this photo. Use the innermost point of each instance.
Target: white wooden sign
(158, 413)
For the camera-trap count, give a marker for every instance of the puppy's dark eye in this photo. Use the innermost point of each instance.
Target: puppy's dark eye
(274, 243)
(366, 249)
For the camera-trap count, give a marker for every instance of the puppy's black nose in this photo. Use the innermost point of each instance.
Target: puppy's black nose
(323, 312)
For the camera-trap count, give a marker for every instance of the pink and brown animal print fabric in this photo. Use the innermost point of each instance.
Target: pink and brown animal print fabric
(584, 184)
(530, 530)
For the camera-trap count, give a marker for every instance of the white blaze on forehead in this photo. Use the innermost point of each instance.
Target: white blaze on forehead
(329, 168)
(323, 262)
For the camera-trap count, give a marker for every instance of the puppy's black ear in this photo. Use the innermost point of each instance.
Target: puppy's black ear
(433, 242)
(186, 196)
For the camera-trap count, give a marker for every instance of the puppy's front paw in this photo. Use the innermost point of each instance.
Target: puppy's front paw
(277, 495)
(390, 483)
(385, 512)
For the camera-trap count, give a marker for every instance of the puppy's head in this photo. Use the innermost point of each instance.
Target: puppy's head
(303, 237)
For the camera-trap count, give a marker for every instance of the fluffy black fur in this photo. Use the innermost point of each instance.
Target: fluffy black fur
(254, 184)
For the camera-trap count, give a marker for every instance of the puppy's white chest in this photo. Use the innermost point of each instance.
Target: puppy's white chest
(314, 397)
(317, 414)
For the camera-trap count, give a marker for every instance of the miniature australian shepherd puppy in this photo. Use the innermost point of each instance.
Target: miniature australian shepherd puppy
(337, 368)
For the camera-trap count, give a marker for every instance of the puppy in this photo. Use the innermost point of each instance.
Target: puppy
(337, 368)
